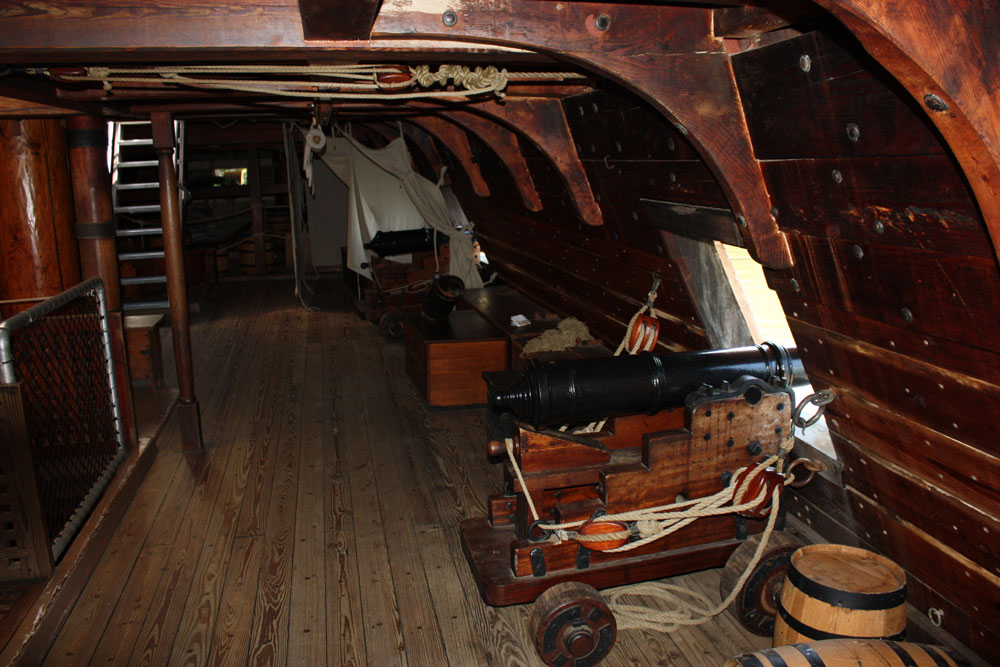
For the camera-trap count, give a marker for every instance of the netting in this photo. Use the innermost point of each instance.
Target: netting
(61, 360)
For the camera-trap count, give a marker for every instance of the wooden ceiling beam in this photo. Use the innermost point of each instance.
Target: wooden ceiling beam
(669, 55)
(424, 143)
(337, 19)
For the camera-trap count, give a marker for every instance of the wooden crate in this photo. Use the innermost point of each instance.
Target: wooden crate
(446, 360)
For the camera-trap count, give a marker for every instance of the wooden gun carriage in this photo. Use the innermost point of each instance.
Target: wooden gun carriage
(689, 449)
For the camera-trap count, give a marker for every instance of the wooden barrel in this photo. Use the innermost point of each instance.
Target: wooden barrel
(248, 258)
(851, 653)
(835, 591)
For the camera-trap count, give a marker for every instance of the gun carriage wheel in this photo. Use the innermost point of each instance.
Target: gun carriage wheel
(391, 325)
(756, 605)
(572, 626)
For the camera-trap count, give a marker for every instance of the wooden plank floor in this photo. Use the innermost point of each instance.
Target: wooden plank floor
(320, 524)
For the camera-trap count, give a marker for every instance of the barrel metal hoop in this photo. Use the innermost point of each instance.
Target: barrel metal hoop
(750, 660)
(810, 654)
(817, 635)
(774, 657)
(847, 599)
(903, 654)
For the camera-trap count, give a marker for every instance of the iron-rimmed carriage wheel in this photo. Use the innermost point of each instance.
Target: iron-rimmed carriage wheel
(756, 605)
(391, 325)
(572, 625)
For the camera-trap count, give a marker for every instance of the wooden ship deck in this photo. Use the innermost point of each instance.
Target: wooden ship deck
(320, 524)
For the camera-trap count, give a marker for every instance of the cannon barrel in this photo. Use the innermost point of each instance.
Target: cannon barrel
(389, 244)
(585, 390)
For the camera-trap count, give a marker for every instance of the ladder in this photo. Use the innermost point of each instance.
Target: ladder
(135, 198)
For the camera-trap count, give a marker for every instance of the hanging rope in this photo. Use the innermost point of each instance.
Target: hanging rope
(369, 82)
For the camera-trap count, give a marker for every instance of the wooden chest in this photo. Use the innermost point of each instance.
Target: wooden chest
(446, 360)
(142, 339)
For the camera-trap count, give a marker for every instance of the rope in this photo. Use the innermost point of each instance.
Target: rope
(478, 81)
(658, 522)
(639, 346)
(694, 611)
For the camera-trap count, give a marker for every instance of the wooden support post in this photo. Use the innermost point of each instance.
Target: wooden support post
(256, 209)
(173, 248)
(95, 225)
(38, 257)
(95, 231)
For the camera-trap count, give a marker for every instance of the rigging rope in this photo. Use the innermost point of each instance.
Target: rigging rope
(687, 607)
(365, 78)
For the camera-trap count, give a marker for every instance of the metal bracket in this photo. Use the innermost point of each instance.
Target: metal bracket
(537, 557)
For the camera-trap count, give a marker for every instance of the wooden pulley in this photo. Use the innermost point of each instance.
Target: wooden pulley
(601, 528)
(315, 138)
(399, 74)
(768, 479)
(645, 331)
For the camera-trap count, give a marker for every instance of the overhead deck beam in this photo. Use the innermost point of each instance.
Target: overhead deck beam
(337, 19)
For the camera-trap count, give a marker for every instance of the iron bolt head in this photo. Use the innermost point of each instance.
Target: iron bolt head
(449, 18)
(935, 103)
(602, 22)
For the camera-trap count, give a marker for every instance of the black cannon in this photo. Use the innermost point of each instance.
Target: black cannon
(585, 390)
(389, 244)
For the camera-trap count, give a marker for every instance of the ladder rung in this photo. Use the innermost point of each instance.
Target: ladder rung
(141, 231)
(137, 186)
(135, 142)
(134, 122)
(145, 305)
(144, 280)
(144, 208)
(138, 163)
(144, 254)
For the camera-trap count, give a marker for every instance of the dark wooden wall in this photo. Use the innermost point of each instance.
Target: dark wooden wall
(893, 302)
(599, 274)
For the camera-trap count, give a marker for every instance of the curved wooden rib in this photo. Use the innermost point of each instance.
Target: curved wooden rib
(504, 143)
(425, 144)
(908, 40)
(668, 55)
(455, 139)
(542, 120)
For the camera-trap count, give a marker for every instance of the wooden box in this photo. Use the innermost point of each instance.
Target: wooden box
(446, 359)
(142, 340)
